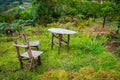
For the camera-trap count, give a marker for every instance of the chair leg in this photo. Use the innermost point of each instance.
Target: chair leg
(31, 64)
(37, 47)
(39, 60)
(20, 62)
(21, 65)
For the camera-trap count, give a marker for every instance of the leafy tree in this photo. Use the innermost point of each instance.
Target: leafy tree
(106, 8)
(41, 11)
(116, 16)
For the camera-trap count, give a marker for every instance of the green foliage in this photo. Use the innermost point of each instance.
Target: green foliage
(90, 44)
(2, 27)
(17, 27)
(89, 9)
(63, 66)
(80, 16)
(5, 5)
(107, 8)
(24, 22)
(84, 73)
(40, 10)
(7, 39)
(117, 52)
(53, 75)
(58, 9)
(116, 14)
(8, 18)
(65, 19)
(17, 14)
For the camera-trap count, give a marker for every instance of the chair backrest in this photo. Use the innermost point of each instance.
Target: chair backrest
(17, 48)
(27, 47)
(24, 39)
(29, 51)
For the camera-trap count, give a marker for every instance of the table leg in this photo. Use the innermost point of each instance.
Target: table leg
(59, 42)
(68, 42)
(52, 42)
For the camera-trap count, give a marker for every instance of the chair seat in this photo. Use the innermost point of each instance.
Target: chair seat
(35, 54)
(34, 43)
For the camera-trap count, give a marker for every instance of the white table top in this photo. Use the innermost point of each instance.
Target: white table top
(61, 31)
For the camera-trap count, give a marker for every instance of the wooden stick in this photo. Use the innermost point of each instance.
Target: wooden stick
(52, 42)
(59, 42)
(68, 42)
(18, 55)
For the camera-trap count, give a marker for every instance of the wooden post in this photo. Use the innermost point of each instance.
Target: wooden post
(52, 42)
(68, 42)
(23, 35)
(39, 60)
(18, 55)
(104, 20)
(59, 42)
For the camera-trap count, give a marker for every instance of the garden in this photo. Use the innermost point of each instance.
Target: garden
(94, 50)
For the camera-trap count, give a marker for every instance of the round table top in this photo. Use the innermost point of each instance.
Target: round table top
(61, 31)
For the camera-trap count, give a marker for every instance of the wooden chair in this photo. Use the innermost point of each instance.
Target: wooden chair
(30, 57)
(31, 43)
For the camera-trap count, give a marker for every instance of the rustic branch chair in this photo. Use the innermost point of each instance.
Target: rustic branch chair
(30, 57)
(31, 43)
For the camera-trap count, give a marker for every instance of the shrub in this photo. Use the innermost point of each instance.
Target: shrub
(10, 29)
(90, 44)
(65, 19)
(8, 18)
(17, 26)
(2, 26)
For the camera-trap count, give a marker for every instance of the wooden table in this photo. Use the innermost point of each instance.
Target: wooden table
(58, 33)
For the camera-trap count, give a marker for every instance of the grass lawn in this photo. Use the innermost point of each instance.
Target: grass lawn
(87, 59)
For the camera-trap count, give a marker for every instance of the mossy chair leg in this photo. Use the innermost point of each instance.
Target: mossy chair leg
(32, 64)
(39, 60)
(21, 63)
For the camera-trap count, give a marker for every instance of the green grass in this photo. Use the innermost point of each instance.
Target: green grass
(85, 51)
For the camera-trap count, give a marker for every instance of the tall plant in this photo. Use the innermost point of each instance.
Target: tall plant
(116, 17)
(106, 8)
(41, 11)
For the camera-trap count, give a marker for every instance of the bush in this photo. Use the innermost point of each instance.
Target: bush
(90, 44)
(8, 18)
(65, 19)
(10, 29)
(17, 26)
(3, 28)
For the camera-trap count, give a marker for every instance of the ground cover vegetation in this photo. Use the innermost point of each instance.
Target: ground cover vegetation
(94, 50)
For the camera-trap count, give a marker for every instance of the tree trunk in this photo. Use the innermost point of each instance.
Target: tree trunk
(104, 21)
(94, 18)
